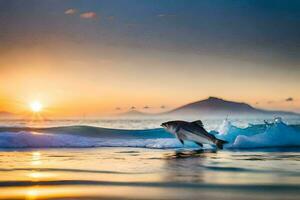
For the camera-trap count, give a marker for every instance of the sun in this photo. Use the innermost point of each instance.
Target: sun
(36, 106)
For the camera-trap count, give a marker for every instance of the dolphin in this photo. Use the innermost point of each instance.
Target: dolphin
(193, 131)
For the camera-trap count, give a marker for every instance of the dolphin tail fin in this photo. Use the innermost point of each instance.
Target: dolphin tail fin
(219, 143)
(181, 141)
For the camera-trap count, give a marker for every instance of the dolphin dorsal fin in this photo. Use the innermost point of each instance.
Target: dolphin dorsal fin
(198, 122)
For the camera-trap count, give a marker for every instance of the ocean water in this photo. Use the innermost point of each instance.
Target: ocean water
(136, 159)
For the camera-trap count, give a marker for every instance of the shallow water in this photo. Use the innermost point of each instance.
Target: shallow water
(162, 169)
(135, 173)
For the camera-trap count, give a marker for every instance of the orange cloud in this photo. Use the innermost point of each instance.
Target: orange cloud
(70, 11)
(88, 15)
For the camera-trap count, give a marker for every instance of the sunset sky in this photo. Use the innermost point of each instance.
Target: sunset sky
(89, 57)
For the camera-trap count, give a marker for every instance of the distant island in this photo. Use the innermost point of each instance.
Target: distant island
(4, 114)
(134, 113)
(214, 106)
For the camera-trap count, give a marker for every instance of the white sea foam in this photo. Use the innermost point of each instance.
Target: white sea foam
(277, 134)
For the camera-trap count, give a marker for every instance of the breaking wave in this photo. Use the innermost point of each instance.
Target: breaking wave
(276, 134)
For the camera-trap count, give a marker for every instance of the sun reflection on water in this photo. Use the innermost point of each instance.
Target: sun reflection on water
(31, 194)
(40, 175)
(36, 158)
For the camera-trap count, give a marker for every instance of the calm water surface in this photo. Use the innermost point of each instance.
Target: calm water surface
(135, 173)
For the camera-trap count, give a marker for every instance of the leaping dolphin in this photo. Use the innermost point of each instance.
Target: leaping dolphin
(193, 131)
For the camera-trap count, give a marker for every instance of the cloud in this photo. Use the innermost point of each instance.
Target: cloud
(289, 99)
(270, 102)
(88, 15)
(166, 15)
(70, 11)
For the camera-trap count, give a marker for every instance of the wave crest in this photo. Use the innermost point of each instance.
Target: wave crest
(277, 134)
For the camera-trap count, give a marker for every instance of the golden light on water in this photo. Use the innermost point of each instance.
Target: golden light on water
(36, 153)
(36, 158)
(36, 176)
(32, 194)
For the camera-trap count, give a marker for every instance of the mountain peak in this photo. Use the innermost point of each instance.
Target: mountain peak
(213, 99)
(215, 105)
(218, 106)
